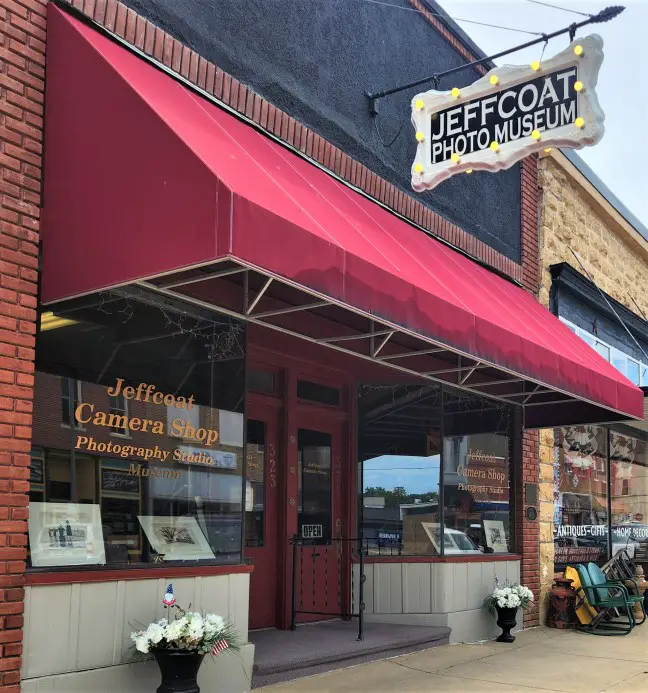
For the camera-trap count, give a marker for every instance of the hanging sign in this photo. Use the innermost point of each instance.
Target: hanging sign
(508, 114)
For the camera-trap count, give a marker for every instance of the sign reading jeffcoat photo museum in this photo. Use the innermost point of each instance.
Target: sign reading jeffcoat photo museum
(542, 104)
(508, 114)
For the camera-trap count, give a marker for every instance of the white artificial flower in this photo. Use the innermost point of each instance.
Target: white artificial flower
(216, 621)
(196, 627)
(142, 644)
(155, 633)
(175, 629)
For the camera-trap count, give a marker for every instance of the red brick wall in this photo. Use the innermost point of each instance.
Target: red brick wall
(529, 532)
(22, 63)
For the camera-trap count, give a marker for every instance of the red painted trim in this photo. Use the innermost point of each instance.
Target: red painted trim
(486, 558)
(64, 578)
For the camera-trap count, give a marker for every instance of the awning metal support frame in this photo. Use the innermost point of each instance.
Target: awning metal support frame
(381, 335)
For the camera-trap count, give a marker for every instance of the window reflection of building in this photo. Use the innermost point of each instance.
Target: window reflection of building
(402, 452)
(125, 467)
(629, 495)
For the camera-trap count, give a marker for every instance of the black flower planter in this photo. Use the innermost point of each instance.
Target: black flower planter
(506, 620)
(179, 669)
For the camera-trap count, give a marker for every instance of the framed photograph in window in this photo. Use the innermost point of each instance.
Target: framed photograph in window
(495, 536)
(63, 534)
(176, 538)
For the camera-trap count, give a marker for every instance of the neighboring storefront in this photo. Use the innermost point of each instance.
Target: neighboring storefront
(594, 479)
(242, 329)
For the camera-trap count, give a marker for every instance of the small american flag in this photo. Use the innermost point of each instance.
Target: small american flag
(219, 646)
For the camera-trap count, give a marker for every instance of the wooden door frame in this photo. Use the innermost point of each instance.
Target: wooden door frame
(291, 368)
(264, 408)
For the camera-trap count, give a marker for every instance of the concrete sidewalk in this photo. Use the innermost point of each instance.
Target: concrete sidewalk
(541, 659)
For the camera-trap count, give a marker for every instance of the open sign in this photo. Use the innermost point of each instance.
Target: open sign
(312, 531)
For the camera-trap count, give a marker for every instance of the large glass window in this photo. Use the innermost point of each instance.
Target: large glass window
(138, 435)
(629, 495)
(633, 369)
(400, 456)
(405, 433)
(476, 475)
(581, 496)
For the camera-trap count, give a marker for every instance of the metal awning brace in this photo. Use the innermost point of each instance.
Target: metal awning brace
(604, 15)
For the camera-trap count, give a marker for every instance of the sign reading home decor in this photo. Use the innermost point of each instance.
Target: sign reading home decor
(508, 114)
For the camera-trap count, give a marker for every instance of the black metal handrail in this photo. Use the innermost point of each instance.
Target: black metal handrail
(344, 601)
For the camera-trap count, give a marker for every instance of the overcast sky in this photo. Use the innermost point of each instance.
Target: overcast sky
(620, 158)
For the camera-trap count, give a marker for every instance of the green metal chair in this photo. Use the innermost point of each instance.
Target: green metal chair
(634, 596)
(607, 598)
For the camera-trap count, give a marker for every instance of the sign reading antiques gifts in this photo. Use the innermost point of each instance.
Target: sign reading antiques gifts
(508, 114)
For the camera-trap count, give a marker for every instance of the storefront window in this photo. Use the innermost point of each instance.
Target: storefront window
(138, 435)
(476, 476)
(629, 495)
(400, 448)
(406, 461)
(581, 496)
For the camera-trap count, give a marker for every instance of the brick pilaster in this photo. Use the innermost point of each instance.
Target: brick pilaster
(22, 73)
(529, 531)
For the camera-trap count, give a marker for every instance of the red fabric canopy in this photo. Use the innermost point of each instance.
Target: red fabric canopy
(144, 177)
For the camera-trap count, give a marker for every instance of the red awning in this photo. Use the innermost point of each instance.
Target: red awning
(145, 179)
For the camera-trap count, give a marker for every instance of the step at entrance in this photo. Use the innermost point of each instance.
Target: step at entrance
(283, 655)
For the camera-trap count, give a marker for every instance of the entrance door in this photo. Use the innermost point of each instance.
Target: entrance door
(261, 513)
(321, 562)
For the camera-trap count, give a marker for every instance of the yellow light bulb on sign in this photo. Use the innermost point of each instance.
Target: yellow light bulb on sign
(419, 104)
(455, 157)
(420, 136)
(535, 65)
(468, 170)
(547, 150)
(578, 86)
(536, 134)
(455, 92)
(418, 168)
(494, 146)
(579, 122)
(578, 50)
(493, 79)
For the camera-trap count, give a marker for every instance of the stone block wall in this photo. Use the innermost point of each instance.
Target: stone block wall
(575, 217)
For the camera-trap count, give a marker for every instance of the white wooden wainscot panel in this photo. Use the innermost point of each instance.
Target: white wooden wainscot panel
(460, 580)
(80, 627)
(474, 596)
(48, 630)
(239, 598)
(445, 588)
(416, 588)
(141, 605)
(229, 673)
(388, 592)
(487, 582)
(369, 586)
(98, 619)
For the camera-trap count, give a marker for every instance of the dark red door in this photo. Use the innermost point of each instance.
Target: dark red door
(320, 569)
(261, 513)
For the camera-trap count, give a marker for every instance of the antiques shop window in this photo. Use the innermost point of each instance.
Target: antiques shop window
(476, 475)
(144, 461)
(400, 458)
(629, 495)
(580, 496)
